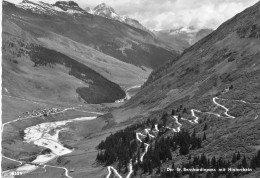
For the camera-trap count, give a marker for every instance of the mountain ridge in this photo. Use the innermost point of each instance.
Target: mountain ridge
(69, 7)
(108, 12)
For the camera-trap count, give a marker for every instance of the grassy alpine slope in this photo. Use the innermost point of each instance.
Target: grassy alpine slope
(22, 60)
(224, 65)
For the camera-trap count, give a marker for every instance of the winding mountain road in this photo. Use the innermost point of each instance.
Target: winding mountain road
(66, 170)
(109, 168)
(146, 149)
(226, 109)
(195, 121)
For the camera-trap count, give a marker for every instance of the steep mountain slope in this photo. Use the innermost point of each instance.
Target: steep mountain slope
(119, 40)
(228, 56)
(182, 38)
(211, 90)
(34, 72)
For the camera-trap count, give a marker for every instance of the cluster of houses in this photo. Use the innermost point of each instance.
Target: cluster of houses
(40, 112)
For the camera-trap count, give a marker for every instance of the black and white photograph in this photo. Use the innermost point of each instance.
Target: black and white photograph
(130, 89)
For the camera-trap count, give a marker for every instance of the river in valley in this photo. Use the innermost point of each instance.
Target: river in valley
(45, 135)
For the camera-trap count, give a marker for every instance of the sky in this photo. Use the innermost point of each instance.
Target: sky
(171, 14)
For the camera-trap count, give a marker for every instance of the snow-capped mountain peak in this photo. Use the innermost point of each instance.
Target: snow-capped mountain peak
(106, 11)
(104, 6)
(40, 7)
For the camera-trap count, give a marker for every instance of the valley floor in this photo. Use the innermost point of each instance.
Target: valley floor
(53, 140)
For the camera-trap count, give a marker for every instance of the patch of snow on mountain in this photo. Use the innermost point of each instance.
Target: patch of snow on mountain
(42, 7)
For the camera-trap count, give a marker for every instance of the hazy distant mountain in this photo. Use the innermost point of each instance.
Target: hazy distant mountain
(182, 38)
(88, 9)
